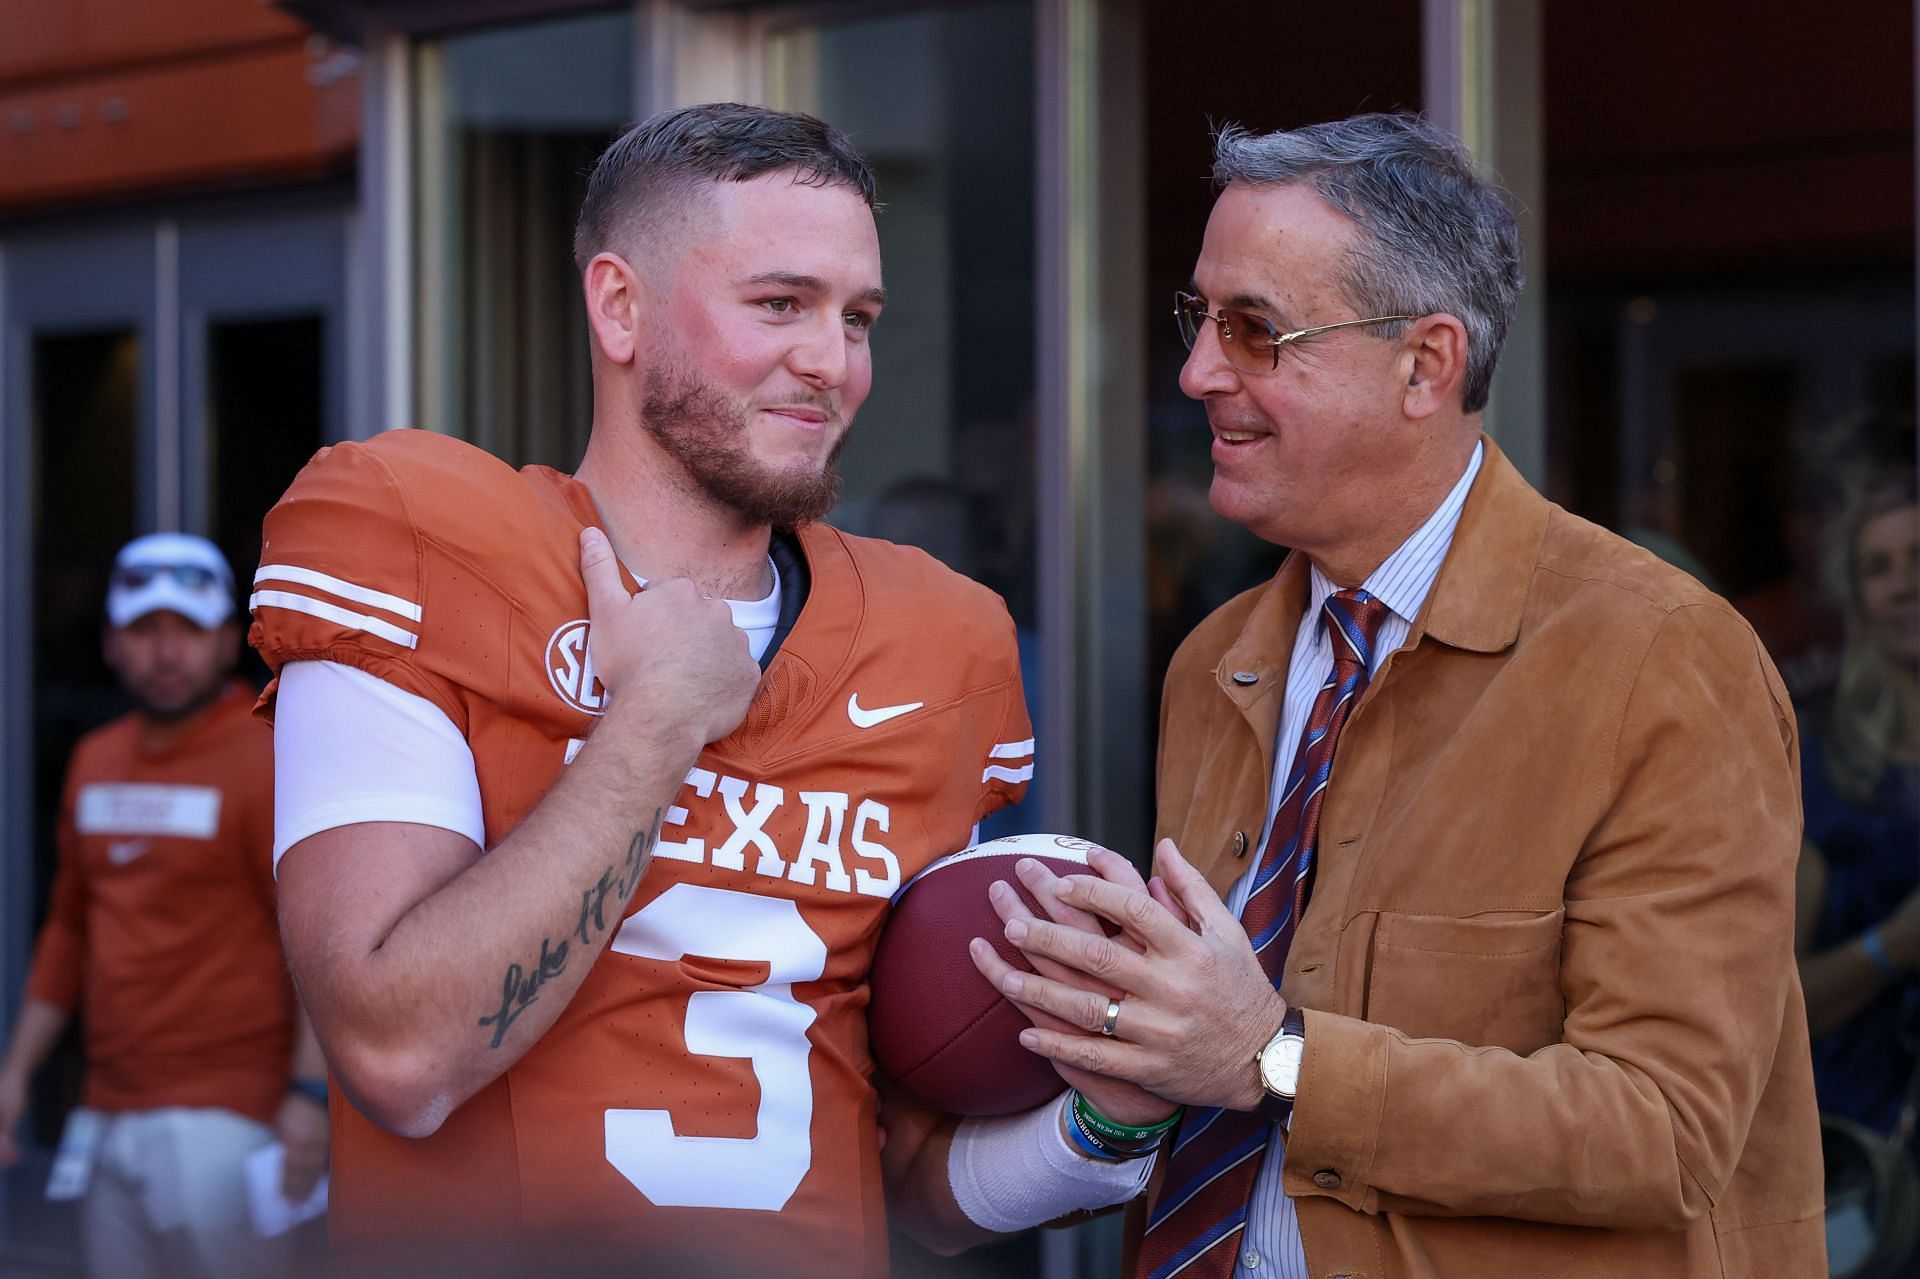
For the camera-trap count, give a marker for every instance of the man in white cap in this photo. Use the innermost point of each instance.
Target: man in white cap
(162, 927)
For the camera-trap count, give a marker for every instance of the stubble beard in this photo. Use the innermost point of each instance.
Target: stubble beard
(169, 713)
(706, 432)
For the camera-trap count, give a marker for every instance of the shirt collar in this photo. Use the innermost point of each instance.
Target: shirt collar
(1405, 578)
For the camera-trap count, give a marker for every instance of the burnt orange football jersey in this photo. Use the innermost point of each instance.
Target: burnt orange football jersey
(707, 1094)
(161, 930)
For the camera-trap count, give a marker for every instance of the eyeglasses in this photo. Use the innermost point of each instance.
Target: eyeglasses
(134, 577)
(1249, 341)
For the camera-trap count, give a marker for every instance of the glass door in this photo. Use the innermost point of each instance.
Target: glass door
(510, 121)
(77, 477)
(263, 369)
(154, 375)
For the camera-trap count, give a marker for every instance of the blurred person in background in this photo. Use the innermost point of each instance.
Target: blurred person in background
(161, 936)
(1858, 925)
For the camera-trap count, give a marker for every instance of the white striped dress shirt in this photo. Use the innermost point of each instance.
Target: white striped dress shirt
(1270, 1247)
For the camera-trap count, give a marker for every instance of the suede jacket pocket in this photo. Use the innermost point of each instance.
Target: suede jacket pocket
(1489, 981)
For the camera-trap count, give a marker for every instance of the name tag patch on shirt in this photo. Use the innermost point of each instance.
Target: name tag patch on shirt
(148, 808)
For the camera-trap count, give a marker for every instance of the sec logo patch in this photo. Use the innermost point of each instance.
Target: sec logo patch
(570, 669)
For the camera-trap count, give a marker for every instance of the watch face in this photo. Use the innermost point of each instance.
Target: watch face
(1280, 1064)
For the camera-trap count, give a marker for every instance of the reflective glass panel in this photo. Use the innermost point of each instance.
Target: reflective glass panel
(511, 120)
(1729, 279)
(940, 102)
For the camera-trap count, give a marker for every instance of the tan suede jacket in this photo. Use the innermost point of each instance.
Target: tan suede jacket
(1554, 1026)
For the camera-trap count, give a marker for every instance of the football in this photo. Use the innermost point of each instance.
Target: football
(938, 1027)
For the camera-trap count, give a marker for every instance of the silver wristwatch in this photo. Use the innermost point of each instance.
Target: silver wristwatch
(1280, 1066)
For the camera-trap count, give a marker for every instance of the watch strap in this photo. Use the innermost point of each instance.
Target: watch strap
(1272, 1105)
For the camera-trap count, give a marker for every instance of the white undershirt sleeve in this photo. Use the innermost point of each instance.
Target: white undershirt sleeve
(1019, 1171)
(349, 747)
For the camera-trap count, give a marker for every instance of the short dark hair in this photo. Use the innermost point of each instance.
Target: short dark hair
(659, 162)
(1434, 234)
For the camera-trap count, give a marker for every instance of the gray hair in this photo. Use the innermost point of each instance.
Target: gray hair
(1434, 235)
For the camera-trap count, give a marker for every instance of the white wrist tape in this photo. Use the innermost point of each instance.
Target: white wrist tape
(1018, 1171)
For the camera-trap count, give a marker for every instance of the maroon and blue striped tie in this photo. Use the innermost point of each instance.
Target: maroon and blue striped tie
(1202, 1206)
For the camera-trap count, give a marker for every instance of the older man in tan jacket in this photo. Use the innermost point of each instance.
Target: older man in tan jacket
(1519, 996)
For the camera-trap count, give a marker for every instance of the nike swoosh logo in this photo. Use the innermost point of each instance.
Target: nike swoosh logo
(122, 851)
(863, 718)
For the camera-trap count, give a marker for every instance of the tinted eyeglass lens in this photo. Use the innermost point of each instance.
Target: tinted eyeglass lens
(1245, 338)
(1188, 312)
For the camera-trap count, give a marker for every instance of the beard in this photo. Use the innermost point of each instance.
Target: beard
(706, 432)
(160, 709)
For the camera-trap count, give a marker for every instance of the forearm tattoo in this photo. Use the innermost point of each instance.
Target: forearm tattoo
(520, 986)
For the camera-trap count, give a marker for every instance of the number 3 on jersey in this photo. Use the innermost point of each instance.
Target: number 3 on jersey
(763, 1023)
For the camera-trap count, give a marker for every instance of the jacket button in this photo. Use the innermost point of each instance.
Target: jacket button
(1327, 1179)
(1246, 677)
(1239, 843)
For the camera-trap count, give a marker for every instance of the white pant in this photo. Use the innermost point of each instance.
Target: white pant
(168, 1199)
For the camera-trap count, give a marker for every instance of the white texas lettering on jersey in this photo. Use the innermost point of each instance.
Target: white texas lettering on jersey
(836, 827)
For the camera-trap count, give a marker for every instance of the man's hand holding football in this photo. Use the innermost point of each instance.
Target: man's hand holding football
(1198, 1005)
(1118, 1099)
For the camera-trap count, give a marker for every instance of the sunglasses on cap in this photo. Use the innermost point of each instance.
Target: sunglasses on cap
(135, 577)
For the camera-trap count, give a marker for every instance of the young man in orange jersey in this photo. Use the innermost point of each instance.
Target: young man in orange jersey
(581, 881)
(162, 927)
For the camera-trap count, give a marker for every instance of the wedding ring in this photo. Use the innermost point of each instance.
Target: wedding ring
(1113, 1017)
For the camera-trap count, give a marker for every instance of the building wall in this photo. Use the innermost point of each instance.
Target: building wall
(105, 100)
(1668, 121)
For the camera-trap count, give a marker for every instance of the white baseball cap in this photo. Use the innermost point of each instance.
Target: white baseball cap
(178, 572)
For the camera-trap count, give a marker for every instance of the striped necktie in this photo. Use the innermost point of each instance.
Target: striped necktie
(1202, 1206)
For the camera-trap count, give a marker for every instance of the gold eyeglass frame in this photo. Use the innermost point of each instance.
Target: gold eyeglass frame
(1191, 306)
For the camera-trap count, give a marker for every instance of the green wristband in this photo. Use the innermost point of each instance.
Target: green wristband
(1113, 1130)
(1095, 1147)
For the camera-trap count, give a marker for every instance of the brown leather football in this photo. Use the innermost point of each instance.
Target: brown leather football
(938, 1028)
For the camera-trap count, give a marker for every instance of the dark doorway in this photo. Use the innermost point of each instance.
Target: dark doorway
(265, 409)
(85, 401)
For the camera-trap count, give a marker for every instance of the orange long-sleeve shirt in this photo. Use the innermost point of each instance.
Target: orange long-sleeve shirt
(161, 931)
